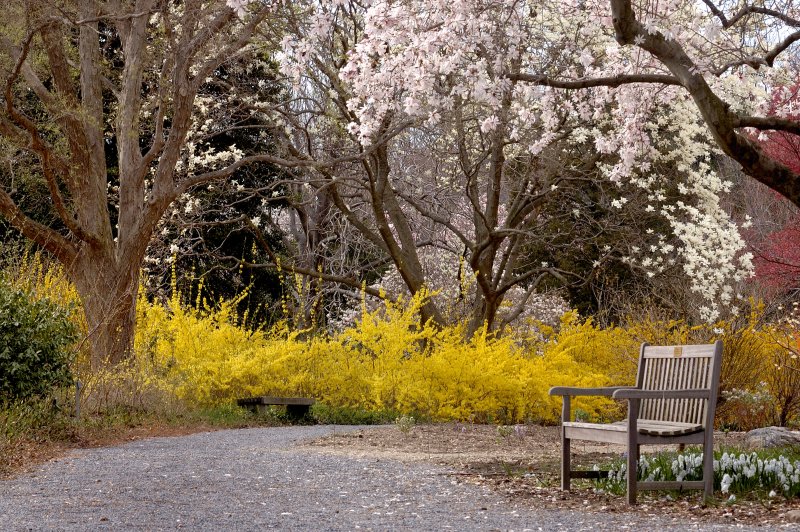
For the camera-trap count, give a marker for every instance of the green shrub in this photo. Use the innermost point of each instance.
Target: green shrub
(36, 338)
(343, 415)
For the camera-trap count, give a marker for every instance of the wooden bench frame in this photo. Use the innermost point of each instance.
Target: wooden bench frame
(296, 407)
(676, 394)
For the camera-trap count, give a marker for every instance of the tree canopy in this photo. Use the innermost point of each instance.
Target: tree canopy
(490, 150)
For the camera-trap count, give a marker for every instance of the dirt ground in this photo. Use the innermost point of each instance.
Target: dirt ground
(524, 465)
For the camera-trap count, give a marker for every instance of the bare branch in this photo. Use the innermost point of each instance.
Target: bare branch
(51, 164)
(757, 62)
(49, 239)
(748, 10)
(769, 123)
(271, 159)
(264, 244)
(586, 83)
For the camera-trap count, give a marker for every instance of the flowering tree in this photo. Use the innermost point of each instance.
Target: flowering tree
(82, 77)
(408, 196)
(468, 70)
(646, 84)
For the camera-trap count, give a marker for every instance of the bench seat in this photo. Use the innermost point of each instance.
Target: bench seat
(647, 427)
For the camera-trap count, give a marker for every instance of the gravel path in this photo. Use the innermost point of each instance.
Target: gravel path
(254, 480)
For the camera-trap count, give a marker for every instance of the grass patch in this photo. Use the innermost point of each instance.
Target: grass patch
(342, 415)
(230, 416)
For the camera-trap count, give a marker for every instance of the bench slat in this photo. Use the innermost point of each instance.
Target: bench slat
(644, 426)
(686, 351)
(267, 400)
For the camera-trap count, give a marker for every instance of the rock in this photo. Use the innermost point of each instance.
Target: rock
(770, 437)
(793, 516)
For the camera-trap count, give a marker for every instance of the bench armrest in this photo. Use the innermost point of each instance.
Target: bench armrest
(573, 392)
(661, 394)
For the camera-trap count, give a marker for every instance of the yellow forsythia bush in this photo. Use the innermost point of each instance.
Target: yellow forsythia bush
(613, 351)
(40, 277)
(388, 361)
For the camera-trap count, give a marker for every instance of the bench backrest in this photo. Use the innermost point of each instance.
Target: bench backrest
(680, 367)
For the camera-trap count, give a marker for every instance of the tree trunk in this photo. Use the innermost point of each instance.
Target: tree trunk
(403, 249)
(484, 312)
(63, 120)
(108, 291)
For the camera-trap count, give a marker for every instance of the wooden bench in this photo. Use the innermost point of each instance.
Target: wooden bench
(673, 402)
(296, 407)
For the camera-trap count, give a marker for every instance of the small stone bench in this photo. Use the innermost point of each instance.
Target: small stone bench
(296, 407)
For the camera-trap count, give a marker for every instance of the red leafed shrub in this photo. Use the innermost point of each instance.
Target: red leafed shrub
(778, 262)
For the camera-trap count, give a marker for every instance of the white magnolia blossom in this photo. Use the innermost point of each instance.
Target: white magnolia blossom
(419, 60)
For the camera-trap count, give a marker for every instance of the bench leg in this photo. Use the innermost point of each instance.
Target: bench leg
(633, 473)
(633, 449)
(565, 466)
(708, 471)
(296, 412)
(565, 469)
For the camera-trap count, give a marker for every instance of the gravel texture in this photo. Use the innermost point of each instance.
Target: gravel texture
(257, 479)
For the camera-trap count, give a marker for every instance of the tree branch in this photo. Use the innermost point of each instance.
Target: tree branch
(259, 236)
(51, 164)
(719, 119)
(748, 10)
(586, 83)
(64, 250)
(757, 62)
(769, 123)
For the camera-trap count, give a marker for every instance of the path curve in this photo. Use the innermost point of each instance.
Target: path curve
(256, 479)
